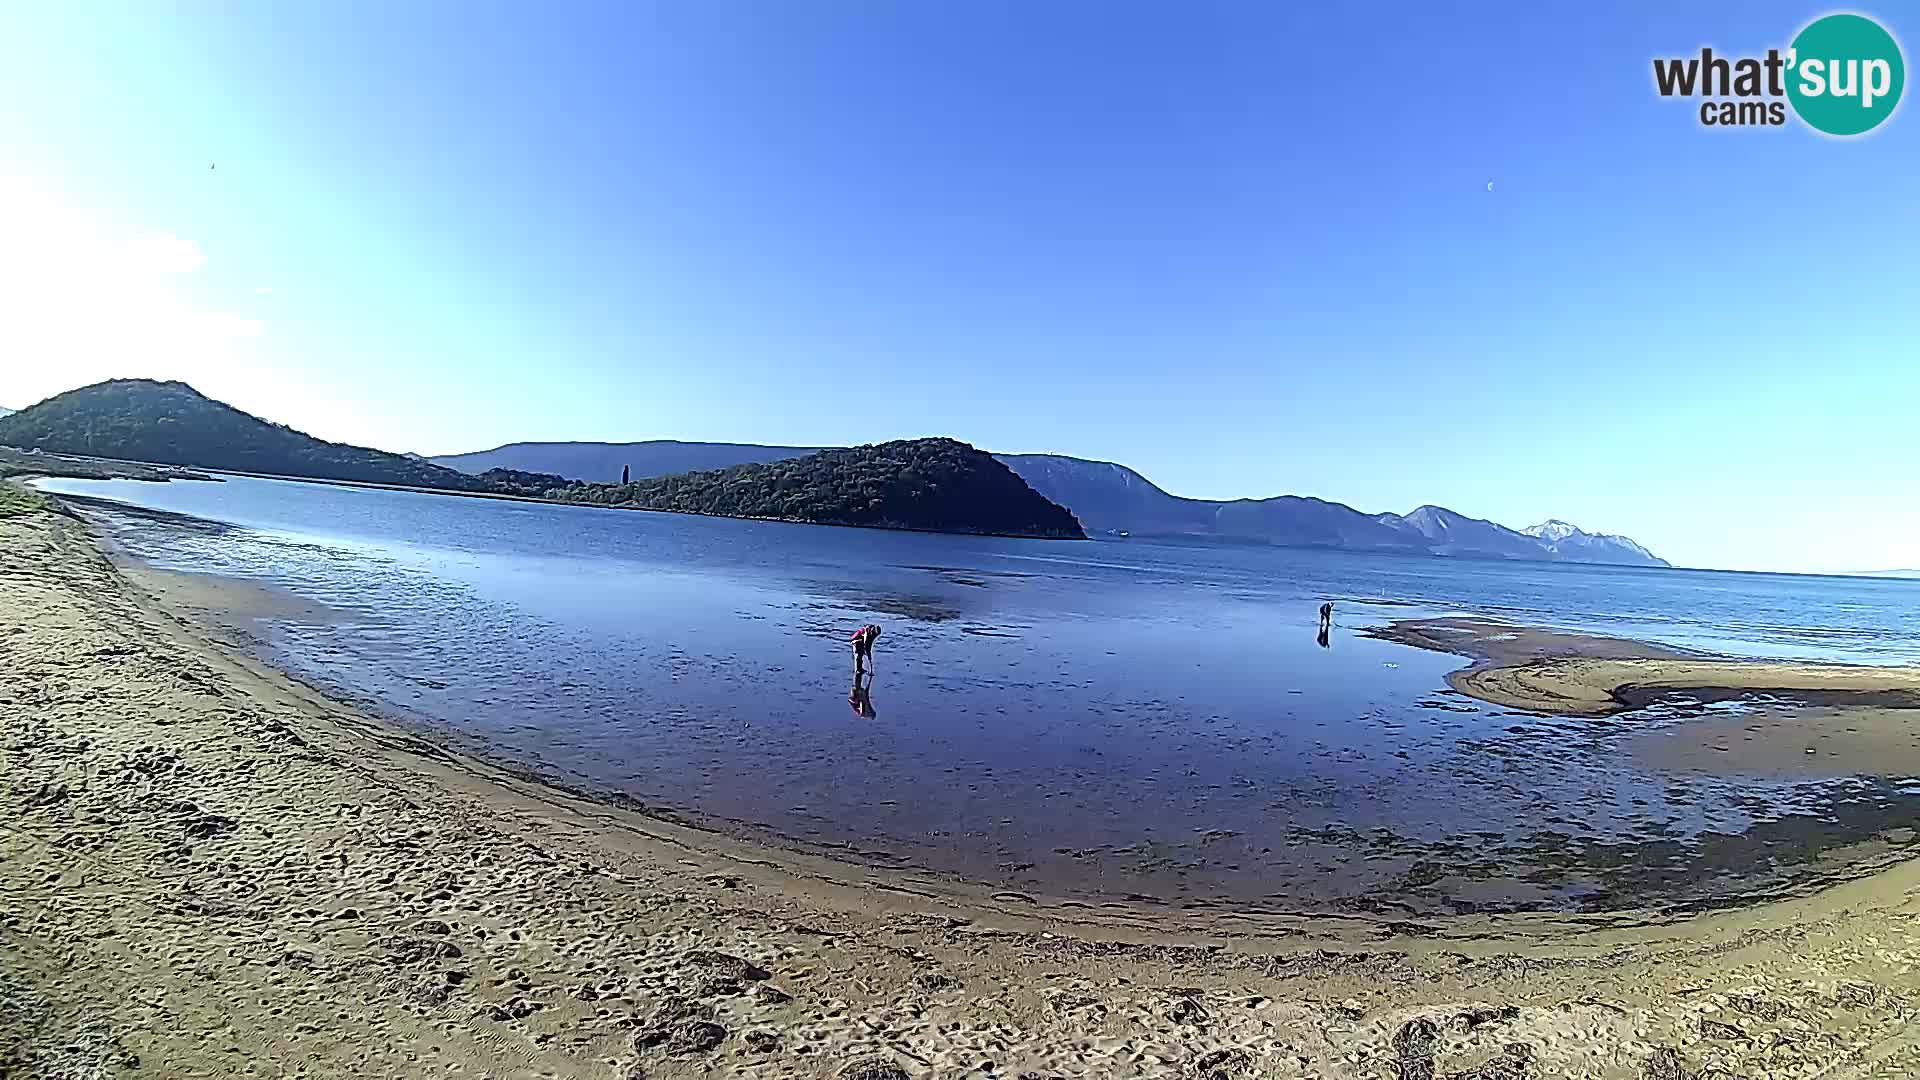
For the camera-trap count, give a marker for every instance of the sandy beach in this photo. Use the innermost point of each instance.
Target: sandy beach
(208, 869)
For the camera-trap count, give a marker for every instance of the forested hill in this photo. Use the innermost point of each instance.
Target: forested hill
(604, 463)
(171, 423)
(940, 485)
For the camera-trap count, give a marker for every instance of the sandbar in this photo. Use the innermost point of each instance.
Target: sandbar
(1547, 671)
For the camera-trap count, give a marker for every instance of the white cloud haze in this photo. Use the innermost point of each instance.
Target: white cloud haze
(84, 298)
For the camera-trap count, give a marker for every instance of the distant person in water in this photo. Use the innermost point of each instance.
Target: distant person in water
(863, 640)
(1326, 617)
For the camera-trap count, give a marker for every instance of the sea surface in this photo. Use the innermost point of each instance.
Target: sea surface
(1092, 720)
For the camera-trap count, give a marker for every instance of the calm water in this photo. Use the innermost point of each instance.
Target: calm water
(1101, 718)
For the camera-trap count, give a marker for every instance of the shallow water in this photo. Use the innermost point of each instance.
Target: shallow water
(1095, 719)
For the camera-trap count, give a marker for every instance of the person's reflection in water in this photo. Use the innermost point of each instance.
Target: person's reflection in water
(1321, 637)
(861, 698)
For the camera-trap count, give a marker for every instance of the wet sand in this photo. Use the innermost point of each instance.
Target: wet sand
(206, 868)
(220, 599)
(1788, 742)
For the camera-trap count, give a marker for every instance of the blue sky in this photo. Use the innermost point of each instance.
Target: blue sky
(1245, 249)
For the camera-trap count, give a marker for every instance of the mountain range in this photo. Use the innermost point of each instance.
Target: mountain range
(1112, 499)
(940, 485)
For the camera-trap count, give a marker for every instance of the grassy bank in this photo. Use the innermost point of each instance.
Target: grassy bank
(16, 498)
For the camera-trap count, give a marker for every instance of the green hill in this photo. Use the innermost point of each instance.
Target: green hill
(939, 485)
(171, 423)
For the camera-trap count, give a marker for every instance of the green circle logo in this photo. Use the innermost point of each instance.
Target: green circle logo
(1845, 74)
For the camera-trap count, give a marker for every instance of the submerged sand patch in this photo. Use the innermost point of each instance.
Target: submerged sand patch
(1788, 742)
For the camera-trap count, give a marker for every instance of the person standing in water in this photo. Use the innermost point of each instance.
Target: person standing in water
(1326, 617)
(863, 640)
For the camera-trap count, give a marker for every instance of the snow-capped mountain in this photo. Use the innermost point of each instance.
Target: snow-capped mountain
(1553, 530)
(1574, 544)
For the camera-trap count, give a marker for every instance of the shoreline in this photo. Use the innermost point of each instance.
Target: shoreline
(1569, 867)
(98, 468)
(191, 830)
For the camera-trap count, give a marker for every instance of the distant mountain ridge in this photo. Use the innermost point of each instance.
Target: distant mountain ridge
(1448, 532)
(1110, 498)
(601, 463)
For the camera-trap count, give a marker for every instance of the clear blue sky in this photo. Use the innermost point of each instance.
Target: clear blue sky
(1244, 248)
